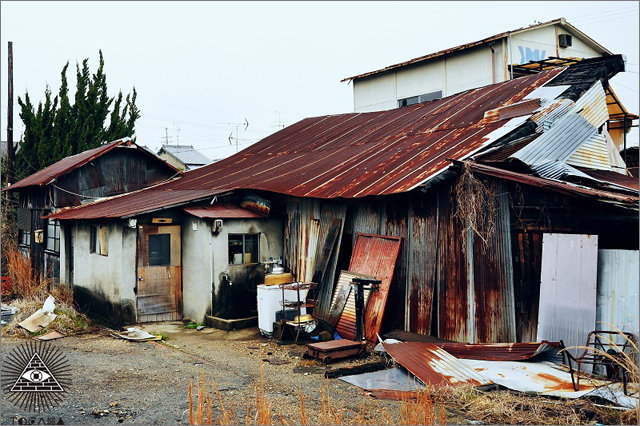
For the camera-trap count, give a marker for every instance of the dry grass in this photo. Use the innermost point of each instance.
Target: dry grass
(429, 406)
(29, 293)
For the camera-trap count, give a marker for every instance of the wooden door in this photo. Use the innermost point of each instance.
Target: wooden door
(159, 289)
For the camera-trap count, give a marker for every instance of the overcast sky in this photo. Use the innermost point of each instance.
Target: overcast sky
(201, 68)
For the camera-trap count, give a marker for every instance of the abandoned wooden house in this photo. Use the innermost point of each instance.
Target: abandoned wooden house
(480, 186)
(110, 169)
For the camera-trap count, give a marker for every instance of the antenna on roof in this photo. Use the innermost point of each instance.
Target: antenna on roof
(166, 136)
(246, 126)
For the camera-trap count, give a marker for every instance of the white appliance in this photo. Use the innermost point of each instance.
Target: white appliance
(270, 302)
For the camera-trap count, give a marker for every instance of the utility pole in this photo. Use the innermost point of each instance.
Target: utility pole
(10, 116)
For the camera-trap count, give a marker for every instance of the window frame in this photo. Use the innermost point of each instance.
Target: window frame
(244, 248)
(94, 240)
(55, 237)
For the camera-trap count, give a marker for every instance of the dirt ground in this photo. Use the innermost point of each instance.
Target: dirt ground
(147, 382)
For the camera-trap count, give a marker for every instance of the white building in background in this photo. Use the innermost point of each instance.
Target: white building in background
(468, 66)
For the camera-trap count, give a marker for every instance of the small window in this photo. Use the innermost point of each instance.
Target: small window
(426, 97)
(243, 248)
(53, 236)
(98, 242)
(159, 249)
(24, 237)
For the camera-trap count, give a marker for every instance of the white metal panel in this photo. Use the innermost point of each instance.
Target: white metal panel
(425, 78)
(375, 94)
(618, 278)
(467, 70)
(567, 309)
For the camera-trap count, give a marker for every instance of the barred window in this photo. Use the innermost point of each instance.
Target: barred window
(53, 236)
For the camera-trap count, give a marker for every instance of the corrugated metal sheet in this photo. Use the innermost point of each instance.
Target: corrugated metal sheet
(493, 295)
(567, 309)
(613, 177)
(433, 365)
(301, 237)
(347, 318)
(495, 351)
(617, 301)
(556, 170)
(350, 155)
(393, 379)
(375, 255)
(222, 211)
(572, 130)
(592, 105)
(518, 109)
(566, 188)
(59, 168)
(593, 153)
(547, 117)
(186, 154)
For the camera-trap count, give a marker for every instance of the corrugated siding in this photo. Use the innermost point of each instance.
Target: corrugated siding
(301, 237)
(592, 105)
(451, 281)
(422, 246)
(528, 254)
(568, 288)
(593, 153)
(617, 302)
(493, 279)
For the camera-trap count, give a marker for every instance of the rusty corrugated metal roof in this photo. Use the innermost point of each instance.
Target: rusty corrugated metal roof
(419, 59)
(557, 186)
(497, 351)
(433, 365)
(67, 164)
(222, 211)
(612, 177)
(348, 155)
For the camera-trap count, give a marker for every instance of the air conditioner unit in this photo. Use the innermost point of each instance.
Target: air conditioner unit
(564, 40)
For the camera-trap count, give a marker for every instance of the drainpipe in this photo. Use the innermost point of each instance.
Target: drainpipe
(510, 60)
(493, 63)
(210, 274)
(624, 138)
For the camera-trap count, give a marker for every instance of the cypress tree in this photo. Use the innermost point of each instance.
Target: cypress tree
(57, 128)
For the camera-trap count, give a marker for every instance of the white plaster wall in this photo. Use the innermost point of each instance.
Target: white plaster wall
(375, 94)
(114, 275)
(544, 41)
(468, 70)
(196, 263)
(425, 78)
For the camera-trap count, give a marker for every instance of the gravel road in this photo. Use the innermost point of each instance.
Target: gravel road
(117, 381)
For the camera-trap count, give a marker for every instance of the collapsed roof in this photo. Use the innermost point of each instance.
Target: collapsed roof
(389, 152)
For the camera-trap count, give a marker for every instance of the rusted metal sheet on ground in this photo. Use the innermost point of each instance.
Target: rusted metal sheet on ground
(497, 351)
(343, 310)
(334, 350)
(423, 236)
(493, 296)
(375, 255)
(548, 379)
(345, 155)
(568, 280)
(433, 365)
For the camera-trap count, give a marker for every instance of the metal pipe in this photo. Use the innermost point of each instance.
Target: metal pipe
(510, 60)
(624, 138)
(210, 274)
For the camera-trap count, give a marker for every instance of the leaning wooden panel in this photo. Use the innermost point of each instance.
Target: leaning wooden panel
(375, 255)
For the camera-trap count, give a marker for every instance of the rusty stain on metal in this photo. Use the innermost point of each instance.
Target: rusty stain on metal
(222, 211)
(346, 155)
(517, 109)
(497, 351)
(433, 365)
(346, 325)
(67, 164)
(375, 255)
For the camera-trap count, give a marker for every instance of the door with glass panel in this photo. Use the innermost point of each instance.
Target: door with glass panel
(159, 285)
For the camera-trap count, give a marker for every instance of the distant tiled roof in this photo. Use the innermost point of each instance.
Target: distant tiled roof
(186, 154)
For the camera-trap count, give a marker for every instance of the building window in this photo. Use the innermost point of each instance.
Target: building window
(98, 242)
(426, 97)
(24, 237)
(159, 249)
(243, 248)
(53, 236)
